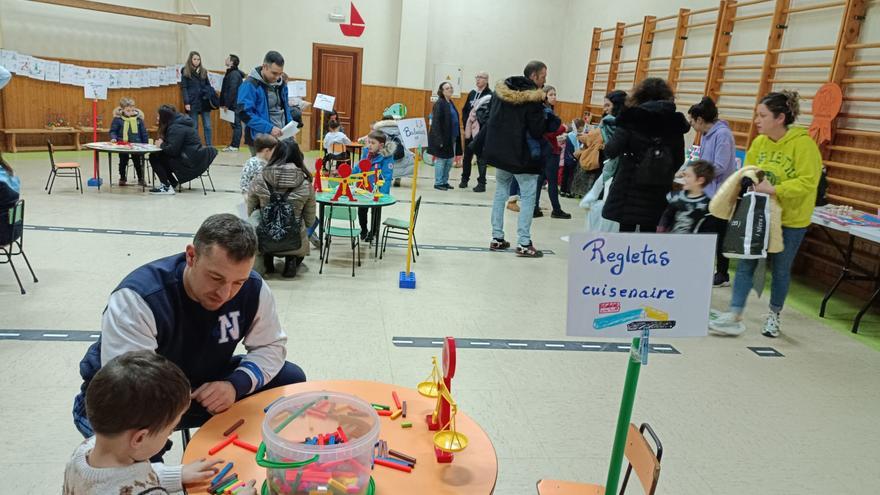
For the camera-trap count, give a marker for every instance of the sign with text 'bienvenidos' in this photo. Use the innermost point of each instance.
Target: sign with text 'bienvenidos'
(413, 132)
(622, 283)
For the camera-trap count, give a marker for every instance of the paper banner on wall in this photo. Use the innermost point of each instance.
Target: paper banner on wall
(7, 57)
(52, 70)
(324, 102)
(621, 284)
(413, 132)
(68, 74)
(95, 90)
(296, 88)
(448, 72)
(33, 68)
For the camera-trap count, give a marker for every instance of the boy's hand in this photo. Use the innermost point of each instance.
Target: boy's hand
(765, 187)
(199, 470)
(215, 396)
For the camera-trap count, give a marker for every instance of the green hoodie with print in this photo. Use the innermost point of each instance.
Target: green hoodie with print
(793, 165)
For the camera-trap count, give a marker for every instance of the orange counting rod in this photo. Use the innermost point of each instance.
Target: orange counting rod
(393, 465)
(396, 414)
(396, 400)
(220, 446)
(245, 445)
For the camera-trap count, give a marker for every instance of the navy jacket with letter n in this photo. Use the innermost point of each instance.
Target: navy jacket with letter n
(151, 310)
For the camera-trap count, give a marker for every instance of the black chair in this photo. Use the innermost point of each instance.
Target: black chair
(11, 242)
(62, 169)
(398, 229)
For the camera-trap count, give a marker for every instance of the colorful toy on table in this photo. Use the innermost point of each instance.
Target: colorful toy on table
(447, 440)
(847, 216)
(344, 171)
(365, 167)
(232, 438)
(319, 165)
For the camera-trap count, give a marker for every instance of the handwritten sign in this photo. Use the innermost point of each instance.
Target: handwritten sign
(413, 132)
(95, 90)
(620, 284)
(296, 88)
(324, 102)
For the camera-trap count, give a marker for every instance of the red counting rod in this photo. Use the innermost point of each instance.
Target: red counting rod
(226, 441)
(393, 465)
(384, 413)
(341, 434)
(396, 399)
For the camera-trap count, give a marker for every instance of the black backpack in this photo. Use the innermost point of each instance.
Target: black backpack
(655, 167)
(279, 229)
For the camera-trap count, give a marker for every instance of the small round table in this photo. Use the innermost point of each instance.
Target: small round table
(363, 200)
(473, 471)
(110, 148)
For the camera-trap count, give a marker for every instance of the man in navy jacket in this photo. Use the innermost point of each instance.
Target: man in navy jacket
(194, 308)
(262, 99)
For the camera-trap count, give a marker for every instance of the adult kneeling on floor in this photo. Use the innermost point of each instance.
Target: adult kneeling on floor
(183, 158)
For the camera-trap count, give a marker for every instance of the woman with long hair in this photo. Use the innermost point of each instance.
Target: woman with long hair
(444, 138)
(197, 93)
(550, 153)
(792, 166)
(183, 158)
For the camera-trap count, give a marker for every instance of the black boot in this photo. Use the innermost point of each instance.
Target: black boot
(290, 266)
(269, 261)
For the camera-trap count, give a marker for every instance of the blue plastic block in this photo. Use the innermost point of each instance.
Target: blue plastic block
(95, 182)
(407, 282)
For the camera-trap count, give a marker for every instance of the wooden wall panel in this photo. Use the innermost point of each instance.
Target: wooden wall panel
(30, 104)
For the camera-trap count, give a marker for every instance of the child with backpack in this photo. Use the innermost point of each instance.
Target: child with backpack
(128, 127)
(281, 203)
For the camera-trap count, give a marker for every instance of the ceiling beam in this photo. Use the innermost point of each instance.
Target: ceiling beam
(198, 19)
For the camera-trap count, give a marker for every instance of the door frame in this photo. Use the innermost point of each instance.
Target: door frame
(358, 54)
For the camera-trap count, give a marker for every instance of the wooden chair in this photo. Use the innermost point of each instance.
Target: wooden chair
(396, 228)
(642, 458)
(14, 221)
(353, 233)
(62, 169)
(336, 156)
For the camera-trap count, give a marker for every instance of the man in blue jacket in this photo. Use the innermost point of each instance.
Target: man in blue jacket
(262, 100)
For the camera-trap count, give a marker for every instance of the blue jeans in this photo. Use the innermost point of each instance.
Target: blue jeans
(780, 269)
(442, 166)
(206, 121)
(236, 132)
(528, 184)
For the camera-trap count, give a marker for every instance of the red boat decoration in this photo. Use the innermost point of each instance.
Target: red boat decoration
(356, 25)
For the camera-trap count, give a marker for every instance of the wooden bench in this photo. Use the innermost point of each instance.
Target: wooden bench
(11, 135)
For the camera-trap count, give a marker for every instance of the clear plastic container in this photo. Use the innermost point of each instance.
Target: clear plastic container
(348, 427)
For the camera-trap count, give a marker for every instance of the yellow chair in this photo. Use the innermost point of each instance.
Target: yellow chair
(62, 169)
(642, 458)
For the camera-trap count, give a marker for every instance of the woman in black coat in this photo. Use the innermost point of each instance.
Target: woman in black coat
(183, 158)
(444, 138)
(197, 93)
(649, 142)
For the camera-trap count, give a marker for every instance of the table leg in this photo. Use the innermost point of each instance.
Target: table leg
(377, 221)
(844, 273)
(110, 167)
(12, 145)
(321, 228)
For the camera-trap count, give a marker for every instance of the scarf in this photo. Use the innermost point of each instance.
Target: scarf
(129, 123)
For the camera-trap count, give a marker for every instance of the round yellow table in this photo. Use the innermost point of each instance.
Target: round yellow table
(473, 471)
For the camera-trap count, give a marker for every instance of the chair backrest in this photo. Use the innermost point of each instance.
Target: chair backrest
(342, 213)
(16, 214)
(644, 460)
(416, 212)
(337, 148)
(51, 153)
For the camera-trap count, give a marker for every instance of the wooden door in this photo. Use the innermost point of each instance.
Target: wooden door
(336, 71)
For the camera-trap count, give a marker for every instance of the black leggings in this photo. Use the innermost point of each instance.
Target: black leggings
(550, 173)
(163, 166)
(644, 228)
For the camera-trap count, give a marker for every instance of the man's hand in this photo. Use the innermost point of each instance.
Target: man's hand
(276, 132)
(187, 107)
(216, 397)
(158, 142)
(765, 187)
(199, 470)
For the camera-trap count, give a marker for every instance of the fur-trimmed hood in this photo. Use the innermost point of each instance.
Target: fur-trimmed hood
(117, 112)
(519, 90)
(389, 148)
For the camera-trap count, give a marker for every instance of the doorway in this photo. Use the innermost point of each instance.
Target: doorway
(336, 71)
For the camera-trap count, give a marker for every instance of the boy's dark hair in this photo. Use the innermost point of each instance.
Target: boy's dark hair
(618, 100)
(137, 390)
(235, 60)
(236, 236)
(579, 123)
(705, 110)
(273, 57)
(378, 136)
(704, 169)
(533, 67)
(264, 142)
(786, 102)
(650, 89)
(333, 125)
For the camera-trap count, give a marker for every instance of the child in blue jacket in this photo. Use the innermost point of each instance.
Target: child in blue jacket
(380, 152)
(128, 126)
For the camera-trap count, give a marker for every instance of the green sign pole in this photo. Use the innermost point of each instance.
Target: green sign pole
(624, 417)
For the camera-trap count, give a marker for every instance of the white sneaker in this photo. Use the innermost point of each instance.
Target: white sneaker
(771, 326)
(230, 149)
(726, 324)
(163, 189)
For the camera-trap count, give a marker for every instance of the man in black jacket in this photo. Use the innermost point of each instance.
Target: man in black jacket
(482, 89)
(516, 115)
(229, 95)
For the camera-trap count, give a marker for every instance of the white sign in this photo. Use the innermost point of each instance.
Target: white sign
(619, 284)
(95, 90)
(448, 72)
(296, 88)
(413, 132)
(324, 102)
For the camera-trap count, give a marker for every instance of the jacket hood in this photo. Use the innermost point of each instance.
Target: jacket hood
(387, 126)
(518, 90)
(117, 112)
(181, 119)
(654, 117)
(389, 148)
(258, 76)
(286, 176)
(721, 124)
(793, 134)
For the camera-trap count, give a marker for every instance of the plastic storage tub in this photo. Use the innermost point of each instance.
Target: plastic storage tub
(319, 442)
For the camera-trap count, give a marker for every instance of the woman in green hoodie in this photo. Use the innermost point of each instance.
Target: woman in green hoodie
(792, 166)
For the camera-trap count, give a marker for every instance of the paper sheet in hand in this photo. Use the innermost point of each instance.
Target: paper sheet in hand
(289, 130)
(227, 115)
